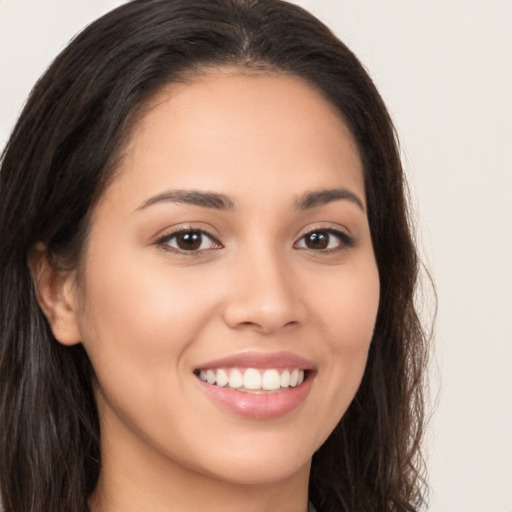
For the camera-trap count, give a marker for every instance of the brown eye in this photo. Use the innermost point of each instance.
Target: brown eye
(324, 240)
(317, 240)
(190, 240)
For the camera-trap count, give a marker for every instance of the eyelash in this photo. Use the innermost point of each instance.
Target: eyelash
(345, 241)
(165, 240)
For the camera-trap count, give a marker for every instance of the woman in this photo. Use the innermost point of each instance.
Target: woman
(207, 273)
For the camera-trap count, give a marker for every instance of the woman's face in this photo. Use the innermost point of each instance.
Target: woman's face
(232, 246)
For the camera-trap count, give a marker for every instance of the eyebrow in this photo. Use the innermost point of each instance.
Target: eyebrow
(193, 197)
(223, 202)
(321, 197)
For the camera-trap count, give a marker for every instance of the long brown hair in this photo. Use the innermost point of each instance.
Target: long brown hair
(64, 150)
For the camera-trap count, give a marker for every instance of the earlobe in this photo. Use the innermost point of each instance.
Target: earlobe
(56, 295)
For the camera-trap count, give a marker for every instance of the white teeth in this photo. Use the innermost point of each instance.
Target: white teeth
(270, 380)
(236, 379)
(222, 377)
(285, 379)
(252, 379)
(211, 377)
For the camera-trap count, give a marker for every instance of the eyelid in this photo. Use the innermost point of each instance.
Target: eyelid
(346, 241)
(163, 240)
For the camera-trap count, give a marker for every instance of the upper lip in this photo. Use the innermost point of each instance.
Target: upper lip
(263, 360)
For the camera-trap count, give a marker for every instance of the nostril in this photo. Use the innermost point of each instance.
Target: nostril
(266, 327)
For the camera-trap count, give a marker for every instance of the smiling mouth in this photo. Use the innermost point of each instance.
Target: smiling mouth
(253, 380)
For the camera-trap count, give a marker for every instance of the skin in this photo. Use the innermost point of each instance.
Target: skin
(148, 314)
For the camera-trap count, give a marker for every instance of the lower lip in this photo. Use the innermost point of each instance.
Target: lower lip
(259, 405)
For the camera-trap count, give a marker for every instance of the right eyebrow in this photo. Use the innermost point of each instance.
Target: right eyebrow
(321, 197)
(193, 197)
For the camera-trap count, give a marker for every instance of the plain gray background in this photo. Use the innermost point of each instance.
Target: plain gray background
(444, 69)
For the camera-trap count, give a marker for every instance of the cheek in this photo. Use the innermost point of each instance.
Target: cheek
(348, 319)
(349, 305)
(138, 324)
(134, 296)
(138, 320)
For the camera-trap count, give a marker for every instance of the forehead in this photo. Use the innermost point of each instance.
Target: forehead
(216, 128)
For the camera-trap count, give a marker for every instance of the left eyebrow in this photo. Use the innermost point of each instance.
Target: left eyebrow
(321, 197)
(193, 197)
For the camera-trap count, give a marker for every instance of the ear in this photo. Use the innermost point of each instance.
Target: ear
(56, 294)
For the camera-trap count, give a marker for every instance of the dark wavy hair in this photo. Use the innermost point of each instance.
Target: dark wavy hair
(64, 150)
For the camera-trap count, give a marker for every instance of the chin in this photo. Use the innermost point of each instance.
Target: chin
(262, 472)
(259, 458)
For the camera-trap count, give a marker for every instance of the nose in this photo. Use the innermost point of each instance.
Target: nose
(264, 296)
